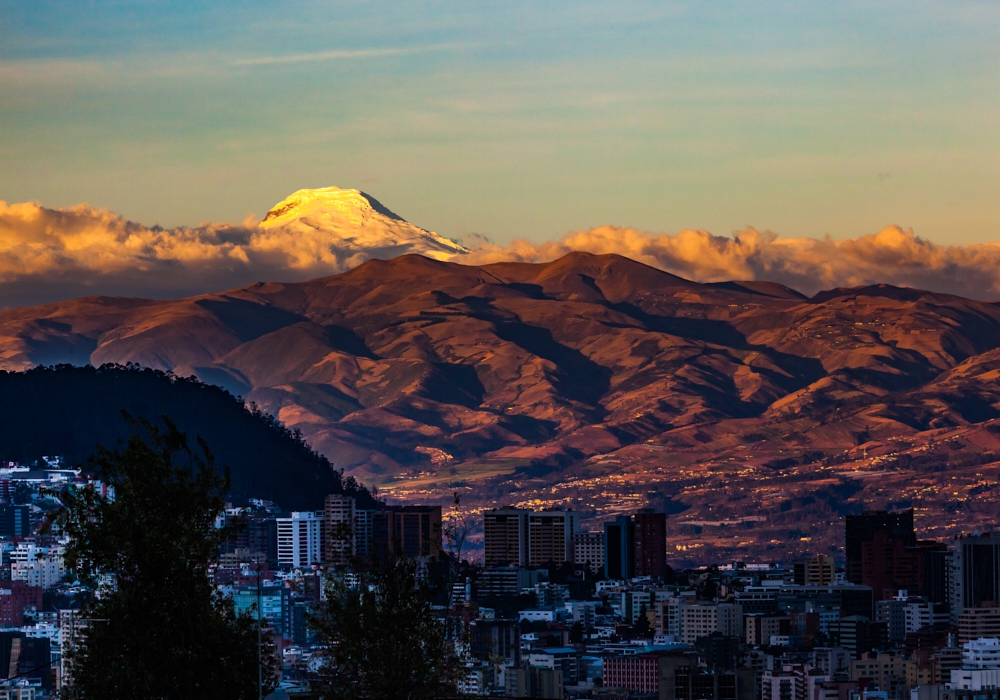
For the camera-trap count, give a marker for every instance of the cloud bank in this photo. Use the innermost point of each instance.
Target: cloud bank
(893, 256)
(53, 254)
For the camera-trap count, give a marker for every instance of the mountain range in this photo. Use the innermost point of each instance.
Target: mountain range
(754, 414)
(592, 381)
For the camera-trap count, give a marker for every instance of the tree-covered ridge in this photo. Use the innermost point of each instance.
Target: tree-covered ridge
(67, 410)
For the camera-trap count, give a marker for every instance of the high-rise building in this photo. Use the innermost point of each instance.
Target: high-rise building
(862, 528)
(650, 532)
(363, 532)
(978, 623)
(338, 529)
(550, 537)
(27, 657)
(407, 531)
(619, 548)
(975, 572)
(274, 603)
(889, 565)
(588, 550)
(820, 569)
(300, 538)
(505, 535)
(15, 521)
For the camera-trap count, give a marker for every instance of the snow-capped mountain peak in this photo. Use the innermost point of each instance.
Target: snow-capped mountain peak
(355, 220)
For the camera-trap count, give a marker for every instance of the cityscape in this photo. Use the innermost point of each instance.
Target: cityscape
(549, 610)
(645, 350)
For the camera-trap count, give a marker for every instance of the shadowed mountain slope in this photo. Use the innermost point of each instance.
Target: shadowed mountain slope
(69, 411)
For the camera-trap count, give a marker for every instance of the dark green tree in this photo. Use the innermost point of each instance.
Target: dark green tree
(157, 627)
(383, 638)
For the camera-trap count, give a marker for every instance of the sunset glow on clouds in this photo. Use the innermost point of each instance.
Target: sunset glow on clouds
(50, 254)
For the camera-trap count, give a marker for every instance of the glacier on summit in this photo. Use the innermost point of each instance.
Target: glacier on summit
(353, 223)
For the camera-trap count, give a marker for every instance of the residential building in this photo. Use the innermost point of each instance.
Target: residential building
(27, 657)
(588, 550)
(508, 581)
(15, 596)
(338, 529)
(550, 537)
(273, 602)
(505, 537)
(300, 539)
(820, 569)
(638, 674)
(862, 528)
(409, 531)
(650, 536)
(759, 628)
(363, 533)
(15, 521)
(682, 679)
(976, 623)
(703, 619)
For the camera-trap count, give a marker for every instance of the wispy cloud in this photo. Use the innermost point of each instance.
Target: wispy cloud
(345, 54)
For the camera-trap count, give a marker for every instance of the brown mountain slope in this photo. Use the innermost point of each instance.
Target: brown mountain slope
(420, 374)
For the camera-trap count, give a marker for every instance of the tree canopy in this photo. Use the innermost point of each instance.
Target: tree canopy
(383, 637)
(157, 627)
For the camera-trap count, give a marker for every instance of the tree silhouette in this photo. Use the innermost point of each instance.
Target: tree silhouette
(157, 628)
(383, 638)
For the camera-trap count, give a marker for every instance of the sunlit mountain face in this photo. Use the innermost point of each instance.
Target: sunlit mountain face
(753, 414)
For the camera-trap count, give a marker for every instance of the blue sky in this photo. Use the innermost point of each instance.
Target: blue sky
(514, 119)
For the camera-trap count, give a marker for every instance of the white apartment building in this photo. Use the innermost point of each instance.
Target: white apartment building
(300, 538)
(980, 666)
(702, 619)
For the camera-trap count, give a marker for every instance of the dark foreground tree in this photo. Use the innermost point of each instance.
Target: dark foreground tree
(383, 638)
(158, 629)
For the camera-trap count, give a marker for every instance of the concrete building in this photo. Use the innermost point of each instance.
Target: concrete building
(821, 569)
(505, 537)
(974, 572)
(650, 533)
(408, 531)
(637, 674)
(550, 537)
(703, 619)
(761, 627)
(338, 529)
(619, 549)
(300, 538)
(976, 623)
(588, 550)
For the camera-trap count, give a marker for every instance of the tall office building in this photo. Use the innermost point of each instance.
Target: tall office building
(863, 528)
(650, 543)
(505, 535)
(619, 548)
(300, 538)
(550, 537)
(975, 572)
(338, 528)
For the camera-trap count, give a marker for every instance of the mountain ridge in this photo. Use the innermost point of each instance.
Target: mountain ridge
(425, 376)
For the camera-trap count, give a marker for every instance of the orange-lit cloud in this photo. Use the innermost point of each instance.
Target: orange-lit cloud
(893, 256)
(49, 254)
